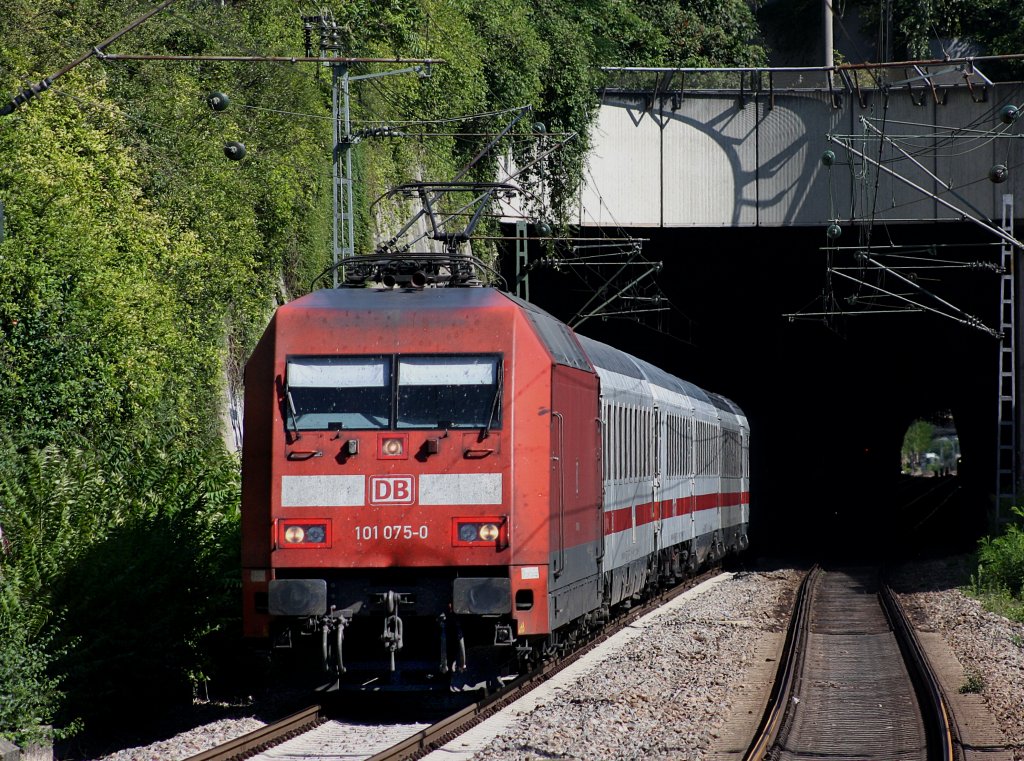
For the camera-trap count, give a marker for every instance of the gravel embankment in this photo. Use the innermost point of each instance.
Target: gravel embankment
(190, 743)
(989, 647)
(667, 695)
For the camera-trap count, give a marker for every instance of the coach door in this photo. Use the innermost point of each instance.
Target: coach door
(576, 524)
(693, 446)
(655, 438)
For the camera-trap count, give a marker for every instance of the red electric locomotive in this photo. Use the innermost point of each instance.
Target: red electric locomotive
(440, 482)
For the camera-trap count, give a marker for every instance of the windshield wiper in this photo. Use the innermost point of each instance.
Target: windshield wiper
(496, 401)
(291, 412)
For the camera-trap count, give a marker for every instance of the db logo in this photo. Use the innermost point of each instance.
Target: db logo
(392, 490)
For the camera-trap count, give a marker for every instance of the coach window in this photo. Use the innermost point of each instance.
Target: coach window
(632, 443)
(628, 465)
(637, 444)
(609, 441)
(618, 443)
(629, 443)
(645, 443)
(449, 392)
(698, 452)
(604, 436)
(709, 455)
(623, 442)
(702, 448)
(621, 469)
(649, 443)
(688, 447)
(670, 446)
(343, 392)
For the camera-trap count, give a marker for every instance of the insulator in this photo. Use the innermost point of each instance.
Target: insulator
(540, 128)
(828, 158)
(234, 150)
(218, 101)
(833, 231)
(1008, 114)
(998, 173)
(543, 229)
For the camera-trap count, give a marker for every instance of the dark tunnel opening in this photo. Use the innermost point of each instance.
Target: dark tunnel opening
(829, 400)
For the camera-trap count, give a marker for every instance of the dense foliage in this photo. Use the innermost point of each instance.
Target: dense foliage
(139, 266)
(122, 561)
(915, 28)
(1000, 576)
(916, 442)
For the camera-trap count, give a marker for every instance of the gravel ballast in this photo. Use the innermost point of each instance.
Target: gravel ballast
(664, 695)
(667, 694)
(990, 648)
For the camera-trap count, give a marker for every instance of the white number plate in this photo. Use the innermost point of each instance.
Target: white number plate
(391, 532)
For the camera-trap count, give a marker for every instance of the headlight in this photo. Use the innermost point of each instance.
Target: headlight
(305, 535)
(479, 531)
(391, 447)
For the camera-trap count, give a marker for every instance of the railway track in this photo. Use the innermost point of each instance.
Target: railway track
(332, 741)
(272, 734)
(854, 683)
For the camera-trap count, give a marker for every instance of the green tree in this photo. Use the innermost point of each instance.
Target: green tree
(916, 442)
(996, 25)
(1000, 575)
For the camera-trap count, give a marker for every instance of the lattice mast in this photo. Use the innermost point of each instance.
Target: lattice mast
(343, 232)
(1007, 465)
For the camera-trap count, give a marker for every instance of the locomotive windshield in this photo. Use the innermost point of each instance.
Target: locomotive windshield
(448, 392)
(346, 392)
(423, 391)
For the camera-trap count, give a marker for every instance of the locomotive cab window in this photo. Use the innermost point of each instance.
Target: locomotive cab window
(459, 391)
(338, 392)
(365, 393)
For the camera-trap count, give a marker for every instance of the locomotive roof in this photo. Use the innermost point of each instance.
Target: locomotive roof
(555, 335)
(400, 299)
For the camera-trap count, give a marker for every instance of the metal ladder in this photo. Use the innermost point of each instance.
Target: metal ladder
(1006, 452)
(522, 262)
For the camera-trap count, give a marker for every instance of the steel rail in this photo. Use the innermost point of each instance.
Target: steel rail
(938, 720)
(939, 724)
(792, 657)
(264, 737)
